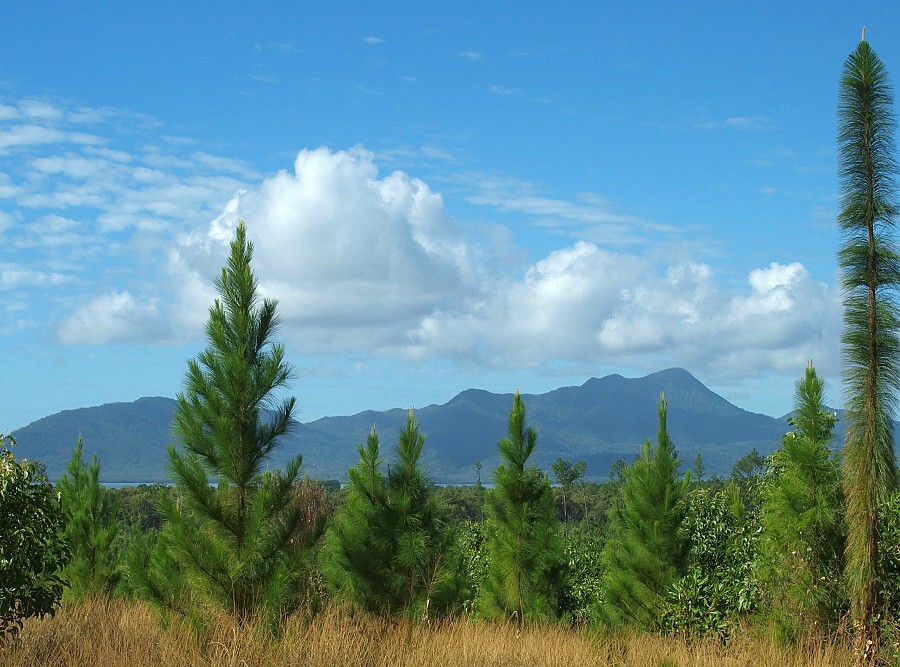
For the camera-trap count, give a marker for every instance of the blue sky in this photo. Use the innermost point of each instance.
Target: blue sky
(476, 196)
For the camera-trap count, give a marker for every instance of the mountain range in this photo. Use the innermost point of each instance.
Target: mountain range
(600, 421)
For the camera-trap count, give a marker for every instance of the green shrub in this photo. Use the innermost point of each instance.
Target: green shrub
(721, 586)
(583, 580)
(33, 552)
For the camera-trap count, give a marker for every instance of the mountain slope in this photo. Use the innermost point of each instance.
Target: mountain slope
(602, 420)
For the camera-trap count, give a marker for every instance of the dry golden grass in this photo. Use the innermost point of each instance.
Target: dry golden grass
(106, 633)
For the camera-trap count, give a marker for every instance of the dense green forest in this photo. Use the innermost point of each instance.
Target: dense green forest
(802, 544)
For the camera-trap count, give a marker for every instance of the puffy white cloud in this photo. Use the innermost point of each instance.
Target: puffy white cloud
(115, 317)
(356, 260)
(585, 304)
(783, 319)
(368, 262)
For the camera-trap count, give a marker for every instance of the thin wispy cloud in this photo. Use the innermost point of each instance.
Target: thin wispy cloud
(363, 89)
(469, 55)
(511, 195)
(373, 41)
(80, 206)
(284, 48)
(503, 91)
(264, 78)
(736, 123)
(790, 159)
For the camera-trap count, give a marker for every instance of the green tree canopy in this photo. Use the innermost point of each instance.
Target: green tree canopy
(646, 551)
(234, 541)
(33, 551)
(387, 549)
(566, 474)
(91, 526)
(871, 350)
(523, 545)
(802, 511)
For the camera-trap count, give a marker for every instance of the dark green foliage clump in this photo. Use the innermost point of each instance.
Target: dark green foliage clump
(33, 551)
(138, 506)
(721, 585)
(889, 526)
(583, 579)
(647, 551)
(92, 526)
(523, 544)
(236, 543)
(871, 349)
(466, 503)
(802, 514)
(388, 548)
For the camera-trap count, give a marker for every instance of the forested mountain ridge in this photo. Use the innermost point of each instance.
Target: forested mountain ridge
(601, 420)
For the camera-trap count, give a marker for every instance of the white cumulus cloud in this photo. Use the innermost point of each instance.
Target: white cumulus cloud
(586, 304)
(356, 260)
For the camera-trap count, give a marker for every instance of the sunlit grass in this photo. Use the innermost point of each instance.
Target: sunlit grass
(104, 633)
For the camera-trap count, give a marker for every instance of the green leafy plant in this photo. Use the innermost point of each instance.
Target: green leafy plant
(33, 551)
(720, 588)
(583, 579)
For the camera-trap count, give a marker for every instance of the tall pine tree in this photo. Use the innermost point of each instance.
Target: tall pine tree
(523, 544)
(356, 556)
(803, 536)
(871, 352)
(233, 541)
(91, 526)
(646, 551)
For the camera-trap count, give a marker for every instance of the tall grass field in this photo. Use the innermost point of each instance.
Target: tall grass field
(104, 633)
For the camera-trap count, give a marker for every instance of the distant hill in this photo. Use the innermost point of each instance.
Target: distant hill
(602, 420)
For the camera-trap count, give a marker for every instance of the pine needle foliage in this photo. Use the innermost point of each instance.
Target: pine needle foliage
(235, 541)
(420, 522)
(871, 351)
(802, 512)
(91, 527)
(646, 551)
(356, 556)
(387, 549)
(155, 575)
(524, 546)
